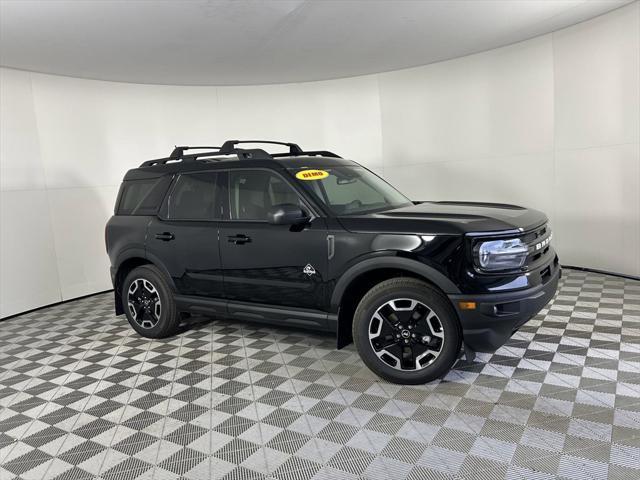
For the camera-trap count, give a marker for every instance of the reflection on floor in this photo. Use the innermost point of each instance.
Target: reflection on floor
(83, 396)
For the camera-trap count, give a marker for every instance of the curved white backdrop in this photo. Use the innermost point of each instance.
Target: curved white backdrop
(552, 123)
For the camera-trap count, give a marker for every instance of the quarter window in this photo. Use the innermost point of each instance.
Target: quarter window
(193, 197)
(142, 197)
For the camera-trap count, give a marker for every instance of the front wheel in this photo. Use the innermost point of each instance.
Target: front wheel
(148, 303)
(406, 331)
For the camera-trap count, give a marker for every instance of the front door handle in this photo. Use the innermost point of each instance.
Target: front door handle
(239, 239)
(165, 236)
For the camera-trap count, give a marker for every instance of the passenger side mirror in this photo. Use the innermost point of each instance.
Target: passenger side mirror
(287, 214)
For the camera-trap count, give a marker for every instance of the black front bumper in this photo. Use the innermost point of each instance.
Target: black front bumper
(498, 315)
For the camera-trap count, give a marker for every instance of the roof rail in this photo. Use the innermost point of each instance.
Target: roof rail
(294, 149)
(242, 154)
(230, 145)
(229, 148)
(178, 152)
(310, 153)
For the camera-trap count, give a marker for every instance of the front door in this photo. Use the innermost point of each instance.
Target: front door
(184, 238)
(270, 264)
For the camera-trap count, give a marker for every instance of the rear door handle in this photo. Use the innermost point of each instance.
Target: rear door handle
(165, 236)
(239, 239)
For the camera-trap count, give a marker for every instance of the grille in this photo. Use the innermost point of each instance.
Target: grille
(539, 242)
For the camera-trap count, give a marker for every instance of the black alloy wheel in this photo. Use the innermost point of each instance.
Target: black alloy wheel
(148, 303)
(406, 334)
(144, 303)
(406, 331)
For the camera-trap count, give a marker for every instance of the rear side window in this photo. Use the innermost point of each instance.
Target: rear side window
(142, 197)
(193, 197)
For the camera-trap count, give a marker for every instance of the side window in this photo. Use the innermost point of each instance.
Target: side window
(193, 197)
(252, 193)
(142, 197)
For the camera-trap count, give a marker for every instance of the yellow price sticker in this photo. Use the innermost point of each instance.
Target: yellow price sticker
(312, 174)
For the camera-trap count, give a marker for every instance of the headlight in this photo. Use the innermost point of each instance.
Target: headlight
(502, 254)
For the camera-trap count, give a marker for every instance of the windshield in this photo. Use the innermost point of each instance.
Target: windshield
(350, 190)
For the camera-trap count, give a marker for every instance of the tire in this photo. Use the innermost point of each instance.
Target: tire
(402, 324)
(157, 318)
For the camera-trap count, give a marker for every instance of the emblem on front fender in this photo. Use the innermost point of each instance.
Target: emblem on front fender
(309, 270)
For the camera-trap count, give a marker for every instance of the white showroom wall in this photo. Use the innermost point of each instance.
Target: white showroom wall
(552, 123)
(66, 144)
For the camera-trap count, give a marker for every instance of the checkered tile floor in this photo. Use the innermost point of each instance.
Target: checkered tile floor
(83, 396)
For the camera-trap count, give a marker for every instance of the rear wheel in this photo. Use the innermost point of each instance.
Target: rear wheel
(406, 331)
(148, 303)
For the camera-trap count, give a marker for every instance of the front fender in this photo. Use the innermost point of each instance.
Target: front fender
(400, 263)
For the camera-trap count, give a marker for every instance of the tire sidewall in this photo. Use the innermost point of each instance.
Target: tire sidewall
(166, 324)
(432, 300)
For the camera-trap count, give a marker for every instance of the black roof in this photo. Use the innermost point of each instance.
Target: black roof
(229, 154)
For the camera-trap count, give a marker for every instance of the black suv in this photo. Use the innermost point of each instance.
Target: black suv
(310, 239)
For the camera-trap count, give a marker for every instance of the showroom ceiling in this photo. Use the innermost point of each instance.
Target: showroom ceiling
(255, 42)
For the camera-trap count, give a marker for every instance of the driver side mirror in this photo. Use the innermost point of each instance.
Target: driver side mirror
(287, 214)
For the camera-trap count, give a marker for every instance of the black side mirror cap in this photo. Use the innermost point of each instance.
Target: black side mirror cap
(287, 214)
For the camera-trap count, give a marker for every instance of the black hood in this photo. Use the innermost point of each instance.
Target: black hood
(447, 218)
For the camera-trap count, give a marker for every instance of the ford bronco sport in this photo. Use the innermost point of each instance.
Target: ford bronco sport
(314, 240)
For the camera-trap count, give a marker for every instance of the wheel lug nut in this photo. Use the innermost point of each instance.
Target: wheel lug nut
(426, 339)
(410, 327)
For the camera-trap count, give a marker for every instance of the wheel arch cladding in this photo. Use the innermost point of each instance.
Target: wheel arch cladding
(124, 268)
(360, 278)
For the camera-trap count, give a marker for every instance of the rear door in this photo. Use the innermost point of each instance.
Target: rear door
(184, 236)
(277, 265)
